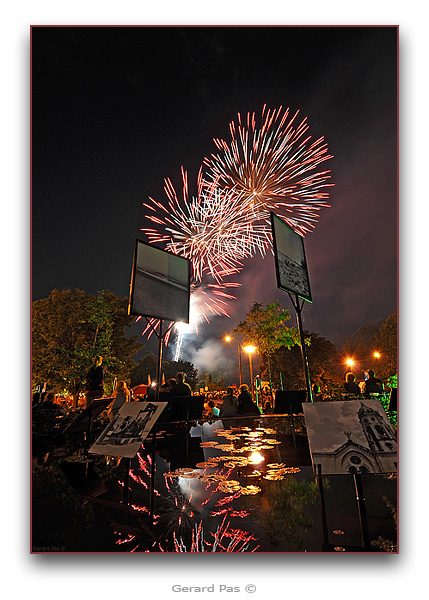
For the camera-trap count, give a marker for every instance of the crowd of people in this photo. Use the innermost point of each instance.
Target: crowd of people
(235, 402)
(232, 404)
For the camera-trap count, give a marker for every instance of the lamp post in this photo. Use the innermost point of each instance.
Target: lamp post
(258, 379)
(250, 350)
(228, 339)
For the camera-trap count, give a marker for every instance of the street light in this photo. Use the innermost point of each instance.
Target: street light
(228, 339)
(250, 350)
(350, 362)
(377, 355)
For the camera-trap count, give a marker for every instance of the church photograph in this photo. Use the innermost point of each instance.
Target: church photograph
(350, 437)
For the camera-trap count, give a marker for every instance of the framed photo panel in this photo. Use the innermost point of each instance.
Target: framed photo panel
(128, 429)
(291, 264)
(350, 436)
(160, 284)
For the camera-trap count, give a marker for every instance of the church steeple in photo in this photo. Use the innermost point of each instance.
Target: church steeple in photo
(380, 437)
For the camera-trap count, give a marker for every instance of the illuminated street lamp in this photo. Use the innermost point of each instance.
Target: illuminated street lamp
(350, 362)
(250, 350)
(377, 355)
(228, 339)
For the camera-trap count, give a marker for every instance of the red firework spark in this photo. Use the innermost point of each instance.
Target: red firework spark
(274, 167)
(215, 229)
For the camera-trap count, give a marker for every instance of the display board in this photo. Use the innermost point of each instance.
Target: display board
(185, 408)
(128, 429)
(88, 415)
(289, 401)
(160, 284)
(289, 255)
(350, 436)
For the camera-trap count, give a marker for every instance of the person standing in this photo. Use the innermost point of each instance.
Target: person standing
(181, 388)
(212, 409)
(94, 381)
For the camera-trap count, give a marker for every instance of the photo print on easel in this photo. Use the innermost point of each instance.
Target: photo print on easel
(353, 437)
(128, 429)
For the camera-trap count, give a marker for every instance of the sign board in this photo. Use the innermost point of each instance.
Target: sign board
(289, 402)
(289, 255)
(352, 436)
(160, 284)
(128, 429)
(186, 408)
(94, 410)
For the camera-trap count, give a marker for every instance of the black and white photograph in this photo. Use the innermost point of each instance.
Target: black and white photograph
(291, 264)
(128, 429)
(350, 437)
(160, 284)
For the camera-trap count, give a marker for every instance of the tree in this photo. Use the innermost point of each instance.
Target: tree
(364, 340)
(171, 368)
(324, 364)
(266, 329)
(147, 366)
(70, 328)
(387, 343)
(380, 336)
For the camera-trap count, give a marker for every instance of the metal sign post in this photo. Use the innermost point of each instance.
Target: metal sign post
(298, 308)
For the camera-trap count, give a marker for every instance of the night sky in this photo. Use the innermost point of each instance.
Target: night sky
(116, 110)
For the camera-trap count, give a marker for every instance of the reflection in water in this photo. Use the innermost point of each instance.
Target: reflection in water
(203, 508)
(217, 488)
(281, 509)
(224, 539)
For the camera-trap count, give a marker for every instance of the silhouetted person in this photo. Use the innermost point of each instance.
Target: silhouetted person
(151, 392)
(229, 404)
(350, 384)
(181, 388)
(372, 384)
(171, 386)
(36, 399)
(94, 381)
(50, 403)
(245, 404)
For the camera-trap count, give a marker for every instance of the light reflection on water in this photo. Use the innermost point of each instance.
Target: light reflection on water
(211, 496)
(272, 506)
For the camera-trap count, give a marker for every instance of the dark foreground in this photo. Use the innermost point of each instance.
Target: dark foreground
(227, 486)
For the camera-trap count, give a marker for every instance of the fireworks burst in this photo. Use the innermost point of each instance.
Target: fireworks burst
(216, 229)
(273, 168)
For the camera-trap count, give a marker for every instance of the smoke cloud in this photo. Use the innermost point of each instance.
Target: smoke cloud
(212, 357)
